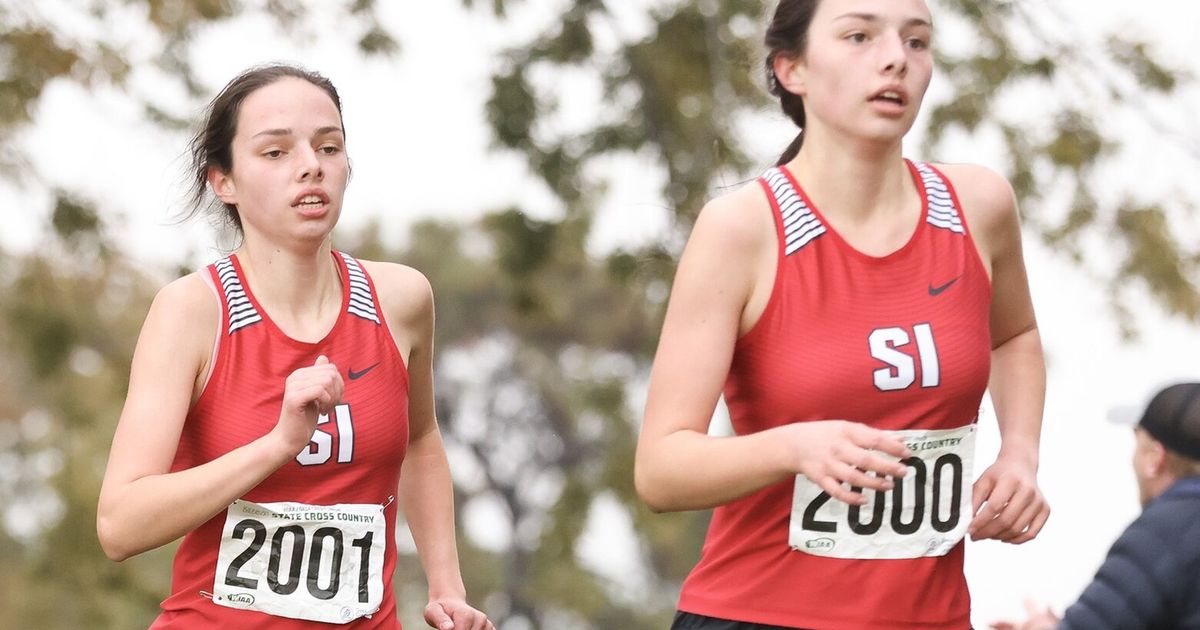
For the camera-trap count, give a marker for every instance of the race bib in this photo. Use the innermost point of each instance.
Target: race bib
(313, 562)
(925, 514)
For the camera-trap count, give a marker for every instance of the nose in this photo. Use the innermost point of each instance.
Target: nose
(893, 58)
(309, 167)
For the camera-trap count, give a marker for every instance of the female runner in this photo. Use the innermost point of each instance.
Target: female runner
(281, 399)
(852, 306)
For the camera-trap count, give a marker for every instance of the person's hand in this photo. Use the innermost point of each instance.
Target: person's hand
(836, 452)
(1040, 618)
(1006, 502)
(308, 393)
(450, 613)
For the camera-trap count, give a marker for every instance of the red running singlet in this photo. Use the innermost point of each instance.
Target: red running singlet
(899, 342)
(244, 559)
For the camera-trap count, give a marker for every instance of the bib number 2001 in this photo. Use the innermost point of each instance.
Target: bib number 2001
(287, 585)
(313, 562)
(925, 514)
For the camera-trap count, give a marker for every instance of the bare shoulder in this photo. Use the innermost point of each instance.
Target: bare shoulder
(979, 189)
(404, 293)
(729, 262)
(738, 221)
(187, 303)
(182, 322)
(989, 203)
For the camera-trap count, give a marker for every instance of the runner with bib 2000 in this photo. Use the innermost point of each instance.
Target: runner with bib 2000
(852, 306)
(280, 403)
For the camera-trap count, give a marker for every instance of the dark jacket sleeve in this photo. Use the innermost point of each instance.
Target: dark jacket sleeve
(1149, 575)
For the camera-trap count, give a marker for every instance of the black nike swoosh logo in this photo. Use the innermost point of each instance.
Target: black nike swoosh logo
(938, 289)
(361, 373)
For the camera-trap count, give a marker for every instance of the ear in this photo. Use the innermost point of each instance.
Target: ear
(791, 72)
(1156, 460)
(222, 185)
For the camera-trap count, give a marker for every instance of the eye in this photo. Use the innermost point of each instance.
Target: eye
(916, 43)
(857, 38)
(273, 154)
(330, 149)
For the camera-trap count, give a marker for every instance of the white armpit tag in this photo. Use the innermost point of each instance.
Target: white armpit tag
(314, 562)
(925, 514)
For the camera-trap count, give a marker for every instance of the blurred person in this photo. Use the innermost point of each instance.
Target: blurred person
(282, 398)
(852, 306)
(1151, 576)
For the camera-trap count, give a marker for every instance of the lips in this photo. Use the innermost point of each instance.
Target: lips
(894, 95)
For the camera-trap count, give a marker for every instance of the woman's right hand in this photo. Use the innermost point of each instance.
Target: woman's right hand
(833, 453)
(308, 393)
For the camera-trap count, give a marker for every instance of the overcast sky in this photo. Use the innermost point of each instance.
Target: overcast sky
(419, 146)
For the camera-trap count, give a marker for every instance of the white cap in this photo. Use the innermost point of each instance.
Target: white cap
(1126, 415)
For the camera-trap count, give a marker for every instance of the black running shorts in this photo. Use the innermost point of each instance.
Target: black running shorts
(688, 621)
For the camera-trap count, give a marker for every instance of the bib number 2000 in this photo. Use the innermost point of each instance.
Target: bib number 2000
(322, 563)
(925, 514)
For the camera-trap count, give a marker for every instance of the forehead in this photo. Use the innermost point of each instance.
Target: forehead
(289, 103)
(890, 10)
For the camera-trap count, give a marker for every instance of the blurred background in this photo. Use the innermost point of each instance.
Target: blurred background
(542, 161)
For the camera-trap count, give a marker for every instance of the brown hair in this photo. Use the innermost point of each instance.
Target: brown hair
(787, 34)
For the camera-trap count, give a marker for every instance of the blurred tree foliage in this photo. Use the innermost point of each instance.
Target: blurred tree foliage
(69, 315)
(544, 343)
(1081, 191)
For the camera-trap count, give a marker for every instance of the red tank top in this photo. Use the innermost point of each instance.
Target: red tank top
(898, 342)
(354, 457)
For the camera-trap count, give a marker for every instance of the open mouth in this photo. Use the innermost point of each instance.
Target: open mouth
(310, 202)
(889, 96)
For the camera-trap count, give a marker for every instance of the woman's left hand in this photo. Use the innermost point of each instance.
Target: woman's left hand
(451, 613)
(1007, 503)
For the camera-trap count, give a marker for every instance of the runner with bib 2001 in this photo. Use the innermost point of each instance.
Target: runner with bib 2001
(280, 404)
(852, 306)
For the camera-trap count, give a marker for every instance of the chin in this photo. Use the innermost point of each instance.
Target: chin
(882, 131)
(326, 221)
(314, 232)
(883, 139)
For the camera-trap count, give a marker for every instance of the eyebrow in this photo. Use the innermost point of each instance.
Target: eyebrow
(287, 132)
(870, 17)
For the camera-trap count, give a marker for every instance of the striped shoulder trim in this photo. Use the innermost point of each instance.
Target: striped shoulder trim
(241, 311)
(362, 302)
(800, 225)
(942, 212)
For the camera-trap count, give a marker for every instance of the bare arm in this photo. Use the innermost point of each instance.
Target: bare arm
(678, 465)
(1018, 380)
(426, 490)
(142, 504)
(1008, 503)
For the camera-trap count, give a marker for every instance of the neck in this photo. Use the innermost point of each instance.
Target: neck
(1156, 486)
(854, 179)
(291, 284)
